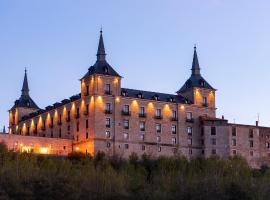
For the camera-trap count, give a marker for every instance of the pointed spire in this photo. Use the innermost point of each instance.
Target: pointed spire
(195, 63)
(25, 88)
(101, 50)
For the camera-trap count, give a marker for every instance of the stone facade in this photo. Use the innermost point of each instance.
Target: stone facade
(106, 117)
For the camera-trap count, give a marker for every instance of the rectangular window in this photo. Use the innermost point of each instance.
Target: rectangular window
(174, 115)
(189, 141)
(68, 128)
(233, 142)
(214, 152)
(173, 140)
(142, 112)
(142, 137)
(126, 108)
(202, 141)
(108, 134)
(78, 113)
(108, 144)
(126, 146)
(213, 130)
(267, 144)
(204, 101)
(189, 115)
(173, 129)
(60, 132)
(189, 130)
(78, 126)
(87, 90)
(159, 149)
(86, 123)
(126, 124)
(143, 147)
(108, 107)
(107, 88)
(213, 141)
(250, 143)
(234, 152)
(250, 133)
(126, 136)
(158, 112)
(233, 131)
(158, 128)
(86, 135)
(158, 139)
(142, 126)
(108, 123)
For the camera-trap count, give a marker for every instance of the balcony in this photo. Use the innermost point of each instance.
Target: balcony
(126, 113)
(158, 117)
(158, 131)
(86, 112)
(126, 127)
(190, 120)
(142, 129)
(77, 116)
(174, 119)
(107, 92)
(108, 125)
(142, 115)
(107, 111)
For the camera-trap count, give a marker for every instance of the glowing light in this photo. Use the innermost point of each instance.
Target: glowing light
(26, 149)
(117, 99)
(115, 80)
(77, 148)
(182, 107)
(44, 150)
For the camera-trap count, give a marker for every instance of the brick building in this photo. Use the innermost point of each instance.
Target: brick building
(106, 117)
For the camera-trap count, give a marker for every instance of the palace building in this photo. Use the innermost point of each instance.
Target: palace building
(106, 117)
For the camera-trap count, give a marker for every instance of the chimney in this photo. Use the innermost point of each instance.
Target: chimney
(222, 117)
(257, 123)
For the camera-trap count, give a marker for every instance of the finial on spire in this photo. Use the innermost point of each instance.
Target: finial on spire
(25, 88)
(195, 63)
(101, 50)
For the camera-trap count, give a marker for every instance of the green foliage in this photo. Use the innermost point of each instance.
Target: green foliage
(79, 176)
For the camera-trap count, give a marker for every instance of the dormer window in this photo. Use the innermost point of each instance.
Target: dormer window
(140, 95)
(156, 97)
(124, 93)
(171, 99)
(202, 83)
(106, 70)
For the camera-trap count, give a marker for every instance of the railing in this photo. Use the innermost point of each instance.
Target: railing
(107, 111)
(158, 117)
(174, 118)
(142, 115)
(107, 92)
(190, 120)
(77, 116)
(127, 113)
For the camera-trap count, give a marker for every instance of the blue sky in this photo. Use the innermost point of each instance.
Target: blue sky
(149, 42)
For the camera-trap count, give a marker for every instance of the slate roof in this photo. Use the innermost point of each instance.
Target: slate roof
(154, 96)
(25, 100)
(101, 66)
(196, 79)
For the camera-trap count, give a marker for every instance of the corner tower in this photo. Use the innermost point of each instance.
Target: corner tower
(22, 106)
(101, 78)
(197, 89)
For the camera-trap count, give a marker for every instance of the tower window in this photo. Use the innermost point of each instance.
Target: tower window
(204, 101)
(107, 88)
(106, 69)
(233, 131)
(108, 122)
